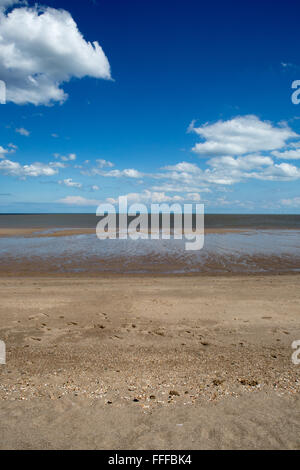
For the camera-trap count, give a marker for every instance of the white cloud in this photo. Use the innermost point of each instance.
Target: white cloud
(78, 201)
(281, 172)
(246, 163)
(128, 172)
(131, 173)
(4, 4)
(41, 48)
(148, 197)
(229, 170)
(23, 131)
(222, 201)
(183, 167)
(12, 168)
(58, 165)
(102, 170)
(103, 163)
(239, 136)
(177, 187)
(13, 147)
(66, 158)
(293, 202)
(289, 65)
(225, 170)
(195, 197)
(292, 154)
(4, 151)
(70, 183)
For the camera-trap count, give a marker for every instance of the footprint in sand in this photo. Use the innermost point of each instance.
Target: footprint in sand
(103, 314)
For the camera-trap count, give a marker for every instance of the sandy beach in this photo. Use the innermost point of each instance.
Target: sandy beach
(149, 362)
(149, 228)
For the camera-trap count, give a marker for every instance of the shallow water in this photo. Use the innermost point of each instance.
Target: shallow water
(248, 251)
(48, 221)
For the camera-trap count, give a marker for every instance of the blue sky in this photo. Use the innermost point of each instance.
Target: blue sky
(182, 101)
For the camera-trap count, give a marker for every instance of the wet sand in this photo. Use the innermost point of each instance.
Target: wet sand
(149, 362)
(41, 232)
(78, 251)
(66, 232)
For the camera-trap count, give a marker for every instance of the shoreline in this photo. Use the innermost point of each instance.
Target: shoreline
(226, 252)
(50, 232)
(148, 275)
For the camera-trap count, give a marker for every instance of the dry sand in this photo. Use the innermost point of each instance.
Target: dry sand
(150, 362)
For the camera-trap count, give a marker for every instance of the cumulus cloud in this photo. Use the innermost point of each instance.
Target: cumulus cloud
(293, 202)
(102, 169)
(182, 177)
(148, 197)
(225, 170)
(247, 163)
(229, 170)
(239, 149)
(292, 154)
(66, 158)
(23, 131)
(128, 173)
(176, 187)
(58, 165)
(40, 49)
(78, 201)
(12, 147)
(4, 4)
(239, 136)
(103, 163)
(195, 197)
(12, 168)
(183, 167)
(70, 183)
(278, 172)
(3, 151)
